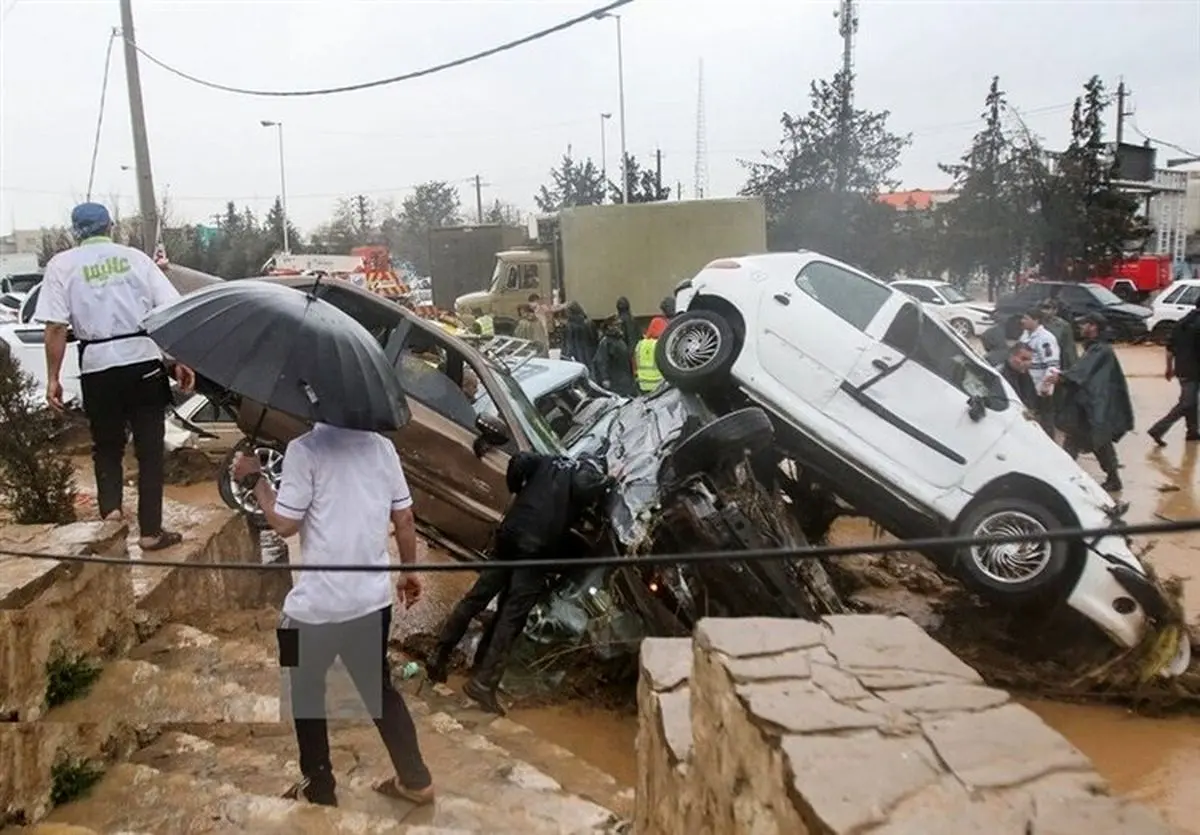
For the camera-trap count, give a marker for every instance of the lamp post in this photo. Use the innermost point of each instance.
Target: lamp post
(604, 117)
(266, 123)
(621, 102)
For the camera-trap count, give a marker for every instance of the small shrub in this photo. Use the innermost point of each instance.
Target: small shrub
(68, 676)
(37, 483)
(71, 778)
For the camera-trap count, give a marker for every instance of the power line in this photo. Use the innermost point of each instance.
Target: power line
(100, 115)
(1133, 124)
(696, 558)
(366, 85)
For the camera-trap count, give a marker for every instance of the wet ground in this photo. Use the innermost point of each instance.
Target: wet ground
(1154, 759)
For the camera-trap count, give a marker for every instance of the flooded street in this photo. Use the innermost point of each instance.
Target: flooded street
(1154, 760)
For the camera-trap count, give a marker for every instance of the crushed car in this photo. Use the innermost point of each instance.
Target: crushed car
(890, 410)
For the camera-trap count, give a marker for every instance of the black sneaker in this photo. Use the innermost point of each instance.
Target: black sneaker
(1112, 485)
(1157, 438)
(318, 796)
(436, 671)
(475, 690)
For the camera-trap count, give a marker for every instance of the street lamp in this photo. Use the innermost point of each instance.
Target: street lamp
(621, 94)
(282, 183)
(604, 117)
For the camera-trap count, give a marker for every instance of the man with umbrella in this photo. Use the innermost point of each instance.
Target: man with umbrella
(102, 291)
(342, 486)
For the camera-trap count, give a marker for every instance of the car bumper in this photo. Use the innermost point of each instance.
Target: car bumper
(1116, 595)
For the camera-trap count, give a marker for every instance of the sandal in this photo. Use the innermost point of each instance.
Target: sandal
(166, 539)
(392, 788)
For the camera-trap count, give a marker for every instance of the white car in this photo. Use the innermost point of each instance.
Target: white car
(1172, 304)
(27, 341)
(946, 302)
(899, 417)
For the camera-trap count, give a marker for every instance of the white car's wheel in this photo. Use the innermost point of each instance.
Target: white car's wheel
(963, 328)
(696, 350)
(1009, 569)
(238, 497)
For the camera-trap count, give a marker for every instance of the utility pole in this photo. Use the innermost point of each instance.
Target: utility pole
(478, 199)
(847, 16)
(657, 173)
(1122, 94)
(147, 206)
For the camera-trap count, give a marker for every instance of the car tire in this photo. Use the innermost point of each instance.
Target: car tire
(962, 327)
(1011, 570)
(233, 495)
(696, 351)
(725, 440)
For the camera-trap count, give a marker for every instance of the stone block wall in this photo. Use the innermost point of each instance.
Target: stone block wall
(858, 724)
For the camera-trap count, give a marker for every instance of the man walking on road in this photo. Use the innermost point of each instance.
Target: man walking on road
(1183, 363)
(551, 494)
(1046, 364)
(101, 291)
(340, 489)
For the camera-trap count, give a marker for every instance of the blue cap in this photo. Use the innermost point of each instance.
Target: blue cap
(89, 219)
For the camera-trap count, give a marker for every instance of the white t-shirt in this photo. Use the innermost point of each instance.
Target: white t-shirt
(342, 486)
(103, 289)
(1045, 354)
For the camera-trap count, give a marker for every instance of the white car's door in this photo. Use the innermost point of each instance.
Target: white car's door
(923, 402)
(1177, 303)
(811, 331)
(27, 339)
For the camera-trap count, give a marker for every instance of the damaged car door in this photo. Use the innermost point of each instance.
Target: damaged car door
(922, 400)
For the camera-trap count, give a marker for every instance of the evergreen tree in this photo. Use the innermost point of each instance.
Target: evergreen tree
(572, 184)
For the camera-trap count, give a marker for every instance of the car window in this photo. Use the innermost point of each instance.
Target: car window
(1077, 296)
(1171, 295)
(918, 291)
(952, 294)
(849, 295)
(1103, 295)
(529, 277)
(210, 412)
(429, 385)
(1188, 296)
(373, 313)
(30, 304)
(514, 279)
(924, 342)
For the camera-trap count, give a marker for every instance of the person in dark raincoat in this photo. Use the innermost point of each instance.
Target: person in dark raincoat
(579, 341)
(613, 361)
(1097, 411)
(629, 329)
(995, 345)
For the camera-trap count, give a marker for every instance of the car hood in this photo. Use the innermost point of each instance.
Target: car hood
(1126, 310)
(470, 299)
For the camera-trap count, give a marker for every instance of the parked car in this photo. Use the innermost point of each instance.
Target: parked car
(1172, 305)
(26, 340)
(1126, 321)
(897, 415)
(946, 302)
(22, 283)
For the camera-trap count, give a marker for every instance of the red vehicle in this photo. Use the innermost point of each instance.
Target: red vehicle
(1135, 279)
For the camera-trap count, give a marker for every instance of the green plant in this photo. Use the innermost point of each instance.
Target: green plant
(70, 779)
(37, 484)
(68, 676)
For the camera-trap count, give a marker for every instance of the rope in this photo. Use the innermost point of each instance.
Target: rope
(100, 116)
(695, 558)
(409, 76)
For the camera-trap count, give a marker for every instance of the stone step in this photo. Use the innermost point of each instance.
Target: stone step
(250, 662)
(134, 797)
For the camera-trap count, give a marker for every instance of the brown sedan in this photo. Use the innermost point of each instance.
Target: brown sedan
(456, 447)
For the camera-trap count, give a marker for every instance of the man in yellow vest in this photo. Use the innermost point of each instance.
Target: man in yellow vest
(484, 321)
(646, 368)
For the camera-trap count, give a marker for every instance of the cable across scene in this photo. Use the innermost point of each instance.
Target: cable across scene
(409, 76)
(695, 558)
(100, 114)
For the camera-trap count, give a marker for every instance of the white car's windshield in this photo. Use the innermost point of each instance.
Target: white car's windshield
(952, 294)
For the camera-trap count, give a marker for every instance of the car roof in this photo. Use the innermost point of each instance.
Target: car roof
(540, 376)
(921, 282)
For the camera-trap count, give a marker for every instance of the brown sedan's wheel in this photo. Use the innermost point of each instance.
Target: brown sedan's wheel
(238, 497)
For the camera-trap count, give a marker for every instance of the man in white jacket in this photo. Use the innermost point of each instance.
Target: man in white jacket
(1046, 365)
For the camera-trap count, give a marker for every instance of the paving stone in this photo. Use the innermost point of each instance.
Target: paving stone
(667, 661)
(899, 679)
(838, 684)
(946, 698)
(1002, 747)
(675, 708)
(748, 637)
(787, 665)
(948, 809)
(852, 782)
(864, 642)
(797, 707)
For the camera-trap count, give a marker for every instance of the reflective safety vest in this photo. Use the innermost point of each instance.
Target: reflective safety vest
(648, 375)
(486, 328)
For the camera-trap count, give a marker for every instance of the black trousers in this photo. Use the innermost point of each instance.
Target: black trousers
(128, 399)
(1187, 407)
(519, 592)
(308, 651)
(1106, 455)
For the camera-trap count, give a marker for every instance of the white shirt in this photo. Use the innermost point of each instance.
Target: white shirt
(342, 486)
(103, 289)
(1045, 354)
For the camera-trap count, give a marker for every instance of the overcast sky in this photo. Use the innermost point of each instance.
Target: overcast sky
(510, 118)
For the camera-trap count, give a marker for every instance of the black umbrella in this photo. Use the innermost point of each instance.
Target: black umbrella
(286, 350)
